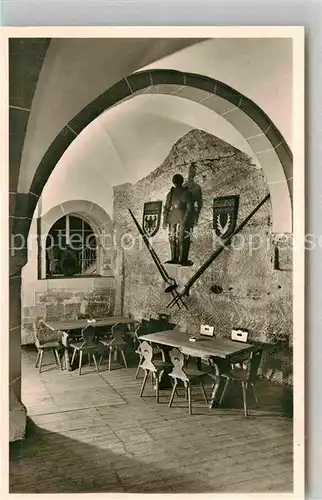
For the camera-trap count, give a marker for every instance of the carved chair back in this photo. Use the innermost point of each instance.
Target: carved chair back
(137, 332)
(178, 361)
(118, 331)
(249, 364)
(239, 335)
(147, 354)
(88, 335)
(207, 330)
(43, 333)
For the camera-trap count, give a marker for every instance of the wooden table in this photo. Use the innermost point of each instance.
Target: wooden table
(219, 350)
(69, 325)
(78, 324)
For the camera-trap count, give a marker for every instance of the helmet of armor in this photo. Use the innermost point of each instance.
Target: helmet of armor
(177, 180)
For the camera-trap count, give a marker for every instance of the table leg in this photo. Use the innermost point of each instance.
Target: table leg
(166, 381)
(64, 340)
(67, 360)
(214, 395)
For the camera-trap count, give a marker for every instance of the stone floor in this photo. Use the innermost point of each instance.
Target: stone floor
(92, 433)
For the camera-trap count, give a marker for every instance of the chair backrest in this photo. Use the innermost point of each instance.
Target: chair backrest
(178, 361)
(254, 363)
(120, 328)
(118, 331)
(137, 332)
(207, 330)
(239, 335)
(42, 333)
(147, 353)
(150, 326)
(142, 327)
(88, 334)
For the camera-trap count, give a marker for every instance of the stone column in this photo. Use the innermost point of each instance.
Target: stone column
(21, 208)
(21, 205)
(17, 411)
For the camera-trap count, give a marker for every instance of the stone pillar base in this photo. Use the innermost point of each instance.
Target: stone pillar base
(17, 417)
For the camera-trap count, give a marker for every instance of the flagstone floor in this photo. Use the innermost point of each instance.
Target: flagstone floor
(92, 433)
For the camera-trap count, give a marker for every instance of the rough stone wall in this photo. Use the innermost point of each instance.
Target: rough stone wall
(67, 302)
(255, 295)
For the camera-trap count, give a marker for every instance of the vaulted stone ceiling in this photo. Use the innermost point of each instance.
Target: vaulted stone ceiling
(133, 138)
(127, 143)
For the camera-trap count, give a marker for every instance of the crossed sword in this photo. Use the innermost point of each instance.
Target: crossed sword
(172, 286)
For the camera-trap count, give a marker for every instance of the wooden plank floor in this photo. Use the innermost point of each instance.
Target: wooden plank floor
(94, 434)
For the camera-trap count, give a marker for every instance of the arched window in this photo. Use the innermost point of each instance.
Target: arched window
(71, 248)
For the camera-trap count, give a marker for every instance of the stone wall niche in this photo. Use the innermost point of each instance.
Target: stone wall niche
(56, 298)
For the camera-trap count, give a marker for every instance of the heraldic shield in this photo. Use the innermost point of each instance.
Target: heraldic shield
(152, 217)
(225, 215)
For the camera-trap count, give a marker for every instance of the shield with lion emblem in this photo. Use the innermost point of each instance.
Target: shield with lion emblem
(225, 215)
(152, 217)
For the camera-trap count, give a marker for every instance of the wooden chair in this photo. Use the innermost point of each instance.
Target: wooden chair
(155, 367)
(144, 328)
(204, 331)
(186, 375)
(46, 340)
(116, 344)
(88, 345)
(246, 376)
(207, 330)
(239, 336)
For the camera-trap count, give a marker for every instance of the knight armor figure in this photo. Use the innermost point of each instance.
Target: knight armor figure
(178, 216)
(195, 191)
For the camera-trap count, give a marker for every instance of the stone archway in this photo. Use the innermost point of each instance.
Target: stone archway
(254, 125)
(264, 138)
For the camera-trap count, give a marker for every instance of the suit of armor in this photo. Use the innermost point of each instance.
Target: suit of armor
(196, 194)
(178, 216)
